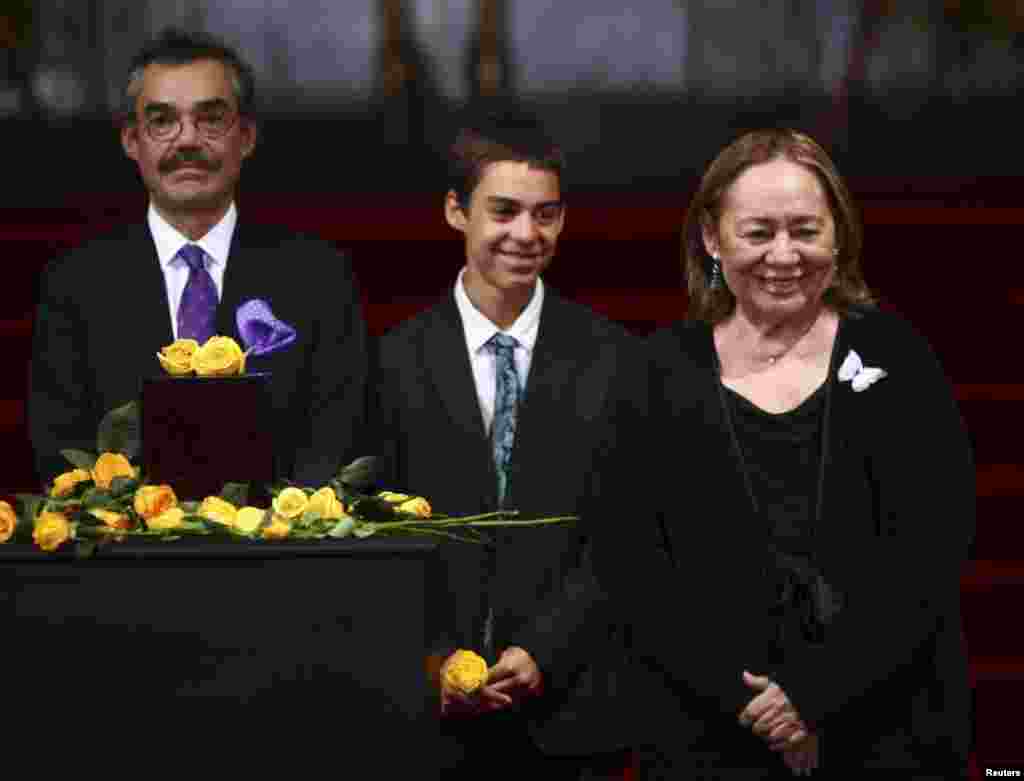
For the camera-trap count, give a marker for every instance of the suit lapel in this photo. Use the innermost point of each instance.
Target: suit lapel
(148, 310)
(554, 388)
(449, 368)
(245, 277)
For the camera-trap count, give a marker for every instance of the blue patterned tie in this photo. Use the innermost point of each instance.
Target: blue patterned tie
(197, 312)
(506, 407)
(507, 395)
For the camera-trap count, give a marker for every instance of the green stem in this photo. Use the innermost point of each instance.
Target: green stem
(437, 533)
(537, 522)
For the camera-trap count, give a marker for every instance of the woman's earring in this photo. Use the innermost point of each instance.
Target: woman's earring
(716, 274)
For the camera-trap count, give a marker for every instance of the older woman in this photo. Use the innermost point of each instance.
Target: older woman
(798, 609)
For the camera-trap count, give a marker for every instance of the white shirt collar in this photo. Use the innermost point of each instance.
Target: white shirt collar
(479, 329)
(216, 243)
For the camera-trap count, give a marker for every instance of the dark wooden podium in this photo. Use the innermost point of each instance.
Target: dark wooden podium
(233, 648)
(201, 432)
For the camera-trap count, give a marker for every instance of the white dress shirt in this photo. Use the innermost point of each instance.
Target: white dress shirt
(479, 330)
(216, 245)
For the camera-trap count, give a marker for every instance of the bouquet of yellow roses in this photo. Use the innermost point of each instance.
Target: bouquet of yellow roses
(105, 498)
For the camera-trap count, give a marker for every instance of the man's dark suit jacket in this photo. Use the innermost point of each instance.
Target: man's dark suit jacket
(431, 437)
(103, 315)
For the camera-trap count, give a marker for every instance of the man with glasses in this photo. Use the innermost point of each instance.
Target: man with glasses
(107, 308)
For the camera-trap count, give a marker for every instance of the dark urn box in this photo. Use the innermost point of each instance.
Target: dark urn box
(199, 433)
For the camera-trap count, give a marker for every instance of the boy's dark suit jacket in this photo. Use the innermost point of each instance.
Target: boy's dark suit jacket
(103, 315)
(538, 580)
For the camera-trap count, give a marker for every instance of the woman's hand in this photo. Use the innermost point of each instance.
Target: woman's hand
(803, 758)
(771, 715)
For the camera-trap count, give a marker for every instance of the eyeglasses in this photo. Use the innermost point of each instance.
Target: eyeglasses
(212, 124)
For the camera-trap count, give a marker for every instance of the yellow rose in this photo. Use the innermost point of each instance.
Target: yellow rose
(278, 529)
(8, 521)
(218, 510)
(168, 519)
(108, 466)
(64, 484)
(465, 671)
(176, 358)
(248, 519)
(291, 503)
(51, 530)
(152, 500)
(417, 506)
(219, 357)
(112, 519)
(325, 503)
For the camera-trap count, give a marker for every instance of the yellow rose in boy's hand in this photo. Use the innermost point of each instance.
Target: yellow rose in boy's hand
(219, 357)
(417, 506)
(248, 519)
(291, 503)
(325, 503)
(218, 510)
(65, 483)
(108, 466)
(465, 671)
(8, 521)
(51, 530)
(176, 358)
(277, 529)
(152, 500)
(167, 520)
(112, 519)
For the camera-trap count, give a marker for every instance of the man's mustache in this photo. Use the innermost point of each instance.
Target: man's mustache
(192, 158)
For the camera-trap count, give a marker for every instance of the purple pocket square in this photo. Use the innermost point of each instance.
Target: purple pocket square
(261, 332)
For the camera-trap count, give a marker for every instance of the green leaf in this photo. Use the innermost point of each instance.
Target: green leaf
(374, 509)
(201, 526)
(96, 499)
(342, 528)
(84, 549)
(80, 459)
(309, 518)
(360, 474)
(365, 530)
(273, 489)
(86, 519)
(27, 507)
(121, 486)
(119, 431)
(236, 493)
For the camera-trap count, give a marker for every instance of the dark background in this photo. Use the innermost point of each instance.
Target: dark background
(917, 102)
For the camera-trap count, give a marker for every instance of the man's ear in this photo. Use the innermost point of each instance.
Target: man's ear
(250, 133)
(130, 140)
(454, 214)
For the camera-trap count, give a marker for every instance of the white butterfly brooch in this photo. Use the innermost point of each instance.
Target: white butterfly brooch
(860, 376)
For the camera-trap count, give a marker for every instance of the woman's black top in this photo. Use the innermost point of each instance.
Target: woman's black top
(782, 455)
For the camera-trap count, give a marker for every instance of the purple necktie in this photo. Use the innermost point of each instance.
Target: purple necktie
(197, 312)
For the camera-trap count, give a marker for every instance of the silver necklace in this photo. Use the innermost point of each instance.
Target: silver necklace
(773, 359)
